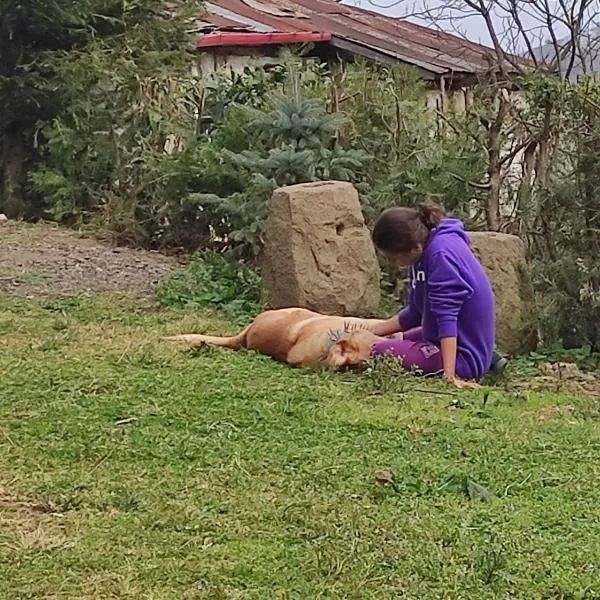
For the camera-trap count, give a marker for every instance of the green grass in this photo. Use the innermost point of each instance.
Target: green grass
(133, 470)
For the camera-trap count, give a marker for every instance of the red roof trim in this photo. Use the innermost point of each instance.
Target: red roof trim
(261, 39)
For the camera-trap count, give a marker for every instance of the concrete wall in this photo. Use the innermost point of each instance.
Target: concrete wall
(217, 59)
(213, 60)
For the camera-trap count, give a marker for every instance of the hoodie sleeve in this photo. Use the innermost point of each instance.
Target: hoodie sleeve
(447, 291)
(410, 317)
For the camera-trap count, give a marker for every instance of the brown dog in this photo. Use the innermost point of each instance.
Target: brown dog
(301, 338)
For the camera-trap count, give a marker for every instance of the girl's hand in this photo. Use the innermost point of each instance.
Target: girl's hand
(449, 348)
(384, 327)
(461, 384)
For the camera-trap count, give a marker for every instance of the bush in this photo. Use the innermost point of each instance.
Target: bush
(568, 299)
(215, 281)
(183, 217)
(91, 92)
(566, 224)
(412, 161)
(295, 140)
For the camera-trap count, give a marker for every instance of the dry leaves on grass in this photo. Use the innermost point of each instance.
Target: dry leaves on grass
(29, 524)
(565, 378)
(548, 413)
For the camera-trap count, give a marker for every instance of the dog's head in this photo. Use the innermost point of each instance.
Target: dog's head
(352, 351)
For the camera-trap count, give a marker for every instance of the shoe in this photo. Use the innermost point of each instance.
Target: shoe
(499, 364)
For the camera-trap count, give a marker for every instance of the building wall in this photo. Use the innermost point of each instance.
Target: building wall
(217, 59)
(456, 100)
(236, 60)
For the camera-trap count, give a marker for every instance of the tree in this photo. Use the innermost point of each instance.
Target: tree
(55, 53)
(294, 140)
(30, 30)
(555, 36)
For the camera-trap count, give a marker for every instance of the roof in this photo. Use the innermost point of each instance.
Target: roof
(350, 28)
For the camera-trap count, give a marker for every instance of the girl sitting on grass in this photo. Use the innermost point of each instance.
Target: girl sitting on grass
(448, 327)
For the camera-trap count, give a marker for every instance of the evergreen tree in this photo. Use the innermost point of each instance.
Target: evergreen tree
(30, 30)
(295, 141)
(42, 43)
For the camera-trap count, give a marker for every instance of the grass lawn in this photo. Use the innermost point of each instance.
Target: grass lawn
(133, 470)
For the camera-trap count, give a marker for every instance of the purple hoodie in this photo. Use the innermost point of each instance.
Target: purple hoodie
(450, 295)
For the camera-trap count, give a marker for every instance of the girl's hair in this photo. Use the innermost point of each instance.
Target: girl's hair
(403, 228)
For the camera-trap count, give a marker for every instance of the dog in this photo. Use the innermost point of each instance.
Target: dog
(301, 338)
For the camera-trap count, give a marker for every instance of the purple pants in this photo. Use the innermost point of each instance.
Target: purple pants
(414, 352)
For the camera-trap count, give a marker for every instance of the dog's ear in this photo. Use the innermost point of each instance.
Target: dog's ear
(345, 346)
(342, 346)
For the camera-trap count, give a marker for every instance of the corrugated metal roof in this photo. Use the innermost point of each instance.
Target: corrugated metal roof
(434, 51)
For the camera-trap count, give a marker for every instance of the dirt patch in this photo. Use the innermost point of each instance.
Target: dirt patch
(27, 524)
(549, 413)
(44, 259)
(565, 378)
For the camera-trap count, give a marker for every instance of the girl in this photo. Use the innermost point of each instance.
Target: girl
(449, 324)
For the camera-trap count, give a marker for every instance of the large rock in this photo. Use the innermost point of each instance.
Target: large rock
(318, 252)
(503, 257)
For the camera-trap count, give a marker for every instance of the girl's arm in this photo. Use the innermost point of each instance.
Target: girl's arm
(449, 349)
(386, 327)
(408, 318)
(447, 291)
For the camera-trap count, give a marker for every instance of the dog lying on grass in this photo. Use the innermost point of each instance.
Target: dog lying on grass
(301, 338)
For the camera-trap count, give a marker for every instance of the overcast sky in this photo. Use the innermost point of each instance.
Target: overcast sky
(473, 27)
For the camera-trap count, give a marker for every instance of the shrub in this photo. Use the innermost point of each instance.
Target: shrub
(565, 226)
(215, 281)
(295, 141)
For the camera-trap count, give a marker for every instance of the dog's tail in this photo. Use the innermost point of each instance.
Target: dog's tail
(196, 340)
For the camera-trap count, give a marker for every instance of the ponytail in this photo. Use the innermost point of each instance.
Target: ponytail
(430, 213)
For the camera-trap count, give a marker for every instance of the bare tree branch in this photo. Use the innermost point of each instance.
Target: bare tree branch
(515, 27)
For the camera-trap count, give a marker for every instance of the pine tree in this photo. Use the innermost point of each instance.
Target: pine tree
(30, 30)
(296, 142)
(42, 42)
(298, 139)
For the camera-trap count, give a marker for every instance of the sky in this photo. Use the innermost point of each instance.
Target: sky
(473, 27)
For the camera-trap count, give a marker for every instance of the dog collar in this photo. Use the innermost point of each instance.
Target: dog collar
(333, 338)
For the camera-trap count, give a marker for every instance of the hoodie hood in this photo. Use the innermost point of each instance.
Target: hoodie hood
(449, 227)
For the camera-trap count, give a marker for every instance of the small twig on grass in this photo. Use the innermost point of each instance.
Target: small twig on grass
(126, 420)
(101, 461)
(512, 485)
